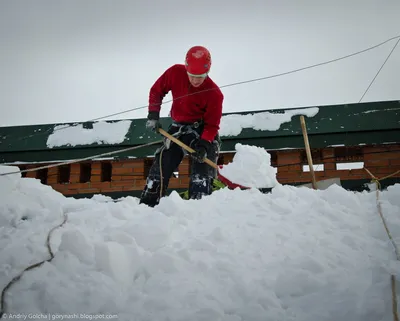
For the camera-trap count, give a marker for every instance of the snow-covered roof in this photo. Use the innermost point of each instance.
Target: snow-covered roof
(349, 124)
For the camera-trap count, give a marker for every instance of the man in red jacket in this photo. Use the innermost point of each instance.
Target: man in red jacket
(196, 114)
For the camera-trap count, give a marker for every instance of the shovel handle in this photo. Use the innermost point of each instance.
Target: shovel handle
(183, 145)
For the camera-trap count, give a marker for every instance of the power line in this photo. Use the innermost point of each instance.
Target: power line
(387, 58)
(225, 86)
(313, 66)
(265, 78)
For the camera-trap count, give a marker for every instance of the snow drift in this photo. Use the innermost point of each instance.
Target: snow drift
(250, 167)
(292, 254)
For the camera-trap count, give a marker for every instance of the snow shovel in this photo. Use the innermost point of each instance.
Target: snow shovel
(222, 178)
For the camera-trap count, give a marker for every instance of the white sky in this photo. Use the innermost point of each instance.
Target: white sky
(77, 60)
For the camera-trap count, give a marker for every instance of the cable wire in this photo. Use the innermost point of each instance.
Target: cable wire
(223, 86)
(263, 78)
(387, 58)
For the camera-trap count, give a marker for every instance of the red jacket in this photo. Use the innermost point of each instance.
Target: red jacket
(187, 106)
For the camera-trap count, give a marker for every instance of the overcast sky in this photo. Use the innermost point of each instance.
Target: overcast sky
(76, 60)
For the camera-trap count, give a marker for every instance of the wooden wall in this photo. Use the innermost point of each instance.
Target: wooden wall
(130, 174)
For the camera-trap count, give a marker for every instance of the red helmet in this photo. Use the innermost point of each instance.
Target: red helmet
(198, 61)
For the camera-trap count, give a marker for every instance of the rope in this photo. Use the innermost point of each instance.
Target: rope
(81, 159)
(394, 298)
(31, 267)
(160, 141)
(378, 185)
(395, 173)
(379, 207)
(161, 174)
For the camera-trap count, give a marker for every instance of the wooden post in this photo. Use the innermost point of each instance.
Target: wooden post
(308, 151)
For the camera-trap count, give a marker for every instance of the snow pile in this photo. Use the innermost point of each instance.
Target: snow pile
(232, 125)
(293, 254)
(8, 182)
(251, 167)
(115, 132)
(390, 203)
(101, 133)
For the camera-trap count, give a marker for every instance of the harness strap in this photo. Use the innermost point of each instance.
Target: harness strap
(195, 124)
(187, 128)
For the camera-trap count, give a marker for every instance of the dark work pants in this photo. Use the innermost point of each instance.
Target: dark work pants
(167, 159)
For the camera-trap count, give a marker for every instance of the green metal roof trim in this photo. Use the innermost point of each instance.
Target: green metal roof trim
(376, 122)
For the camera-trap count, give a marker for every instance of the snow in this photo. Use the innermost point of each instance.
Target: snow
(349, 165)
(232, 125)
(115, 132)
(377, 110)
(101, 133)
(251, 167)
(292, 254)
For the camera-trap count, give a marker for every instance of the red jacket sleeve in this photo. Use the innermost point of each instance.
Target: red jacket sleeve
(212, 116)
(159, 89)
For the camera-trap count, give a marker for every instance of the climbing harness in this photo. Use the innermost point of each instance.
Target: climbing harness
(184, 129)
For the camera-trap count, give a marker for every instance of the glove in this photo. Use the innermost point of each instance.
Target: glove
(153, 121)
(201, 148)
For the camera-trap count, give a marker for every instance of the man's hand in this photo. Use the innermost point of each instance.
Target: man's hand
(201, 148)
(153, 121)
